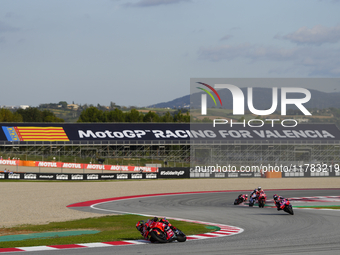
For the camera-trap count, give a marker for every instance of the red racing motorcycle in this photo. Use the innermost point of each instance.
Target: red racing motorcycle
(286, 206)
(160, 231)
(261, 199)
(241, 199)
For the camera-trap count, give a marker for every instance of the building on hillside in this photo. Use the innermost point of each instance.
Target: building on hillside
(73, 106)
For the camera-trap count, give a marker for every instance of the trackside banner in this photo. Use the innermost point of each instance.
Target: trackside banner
(76, 177)
(95, 166)
(173, 172)
(78, 166)
(217, 131)
(9, 162)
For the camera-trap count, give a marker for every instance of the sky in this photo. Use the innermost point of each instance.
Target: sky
(143, 52)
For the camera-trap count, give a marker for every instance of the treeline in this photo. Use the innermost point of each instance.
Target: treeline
(93, 114)
(30, 114)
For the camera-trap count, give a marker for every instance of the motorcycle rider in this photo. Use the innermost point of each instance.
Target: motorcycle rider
(257, 192)
(166, 222)
(140, 225)
(245, 197)
(242, 197)
(144, 227)
(278, 201)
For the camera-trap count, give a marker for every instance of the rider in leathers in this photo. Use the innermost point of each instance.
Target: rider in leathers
(278, 200)
(257, 192)
(144, 227)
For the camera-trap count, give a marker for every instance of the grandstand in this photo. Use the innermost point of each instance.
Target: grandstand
(172, 144)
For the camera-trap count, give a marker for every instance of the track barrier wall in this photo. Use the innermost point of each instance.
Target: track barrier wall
(166, 173)
(236, 174)
(9, 162)
(76, 177)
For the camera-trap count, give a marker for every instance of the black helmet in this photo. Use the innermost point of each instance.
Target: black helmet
(275, 197)
(155, 219)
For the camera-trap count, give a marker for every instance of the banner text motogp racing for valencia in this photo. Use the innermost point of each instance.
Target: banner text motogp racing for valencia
(175, 132)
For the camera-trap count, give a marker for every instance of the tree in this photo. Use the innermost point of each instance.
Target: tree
(167, 117)
(134, 116)
(151, 117)
(63, 104)
(179, 117)
(7, 116)
(49, 116)
(115, 116)
(112, 105)
(33, 114)
(92, 114)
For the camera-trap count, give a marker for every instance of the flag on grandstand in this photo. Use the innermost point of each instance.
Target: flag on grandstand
(35, 134)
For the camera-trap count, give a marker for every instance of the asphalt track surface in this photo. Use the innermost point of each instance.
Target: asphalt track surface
(266, 231)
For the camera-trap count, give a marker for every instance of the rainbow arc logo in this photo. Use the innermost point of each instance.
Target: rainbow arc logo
(204, 97)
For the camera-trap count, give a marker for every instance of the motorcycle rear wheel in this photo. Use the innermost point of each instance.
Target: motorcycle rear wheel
(161, 238)
(290, 210)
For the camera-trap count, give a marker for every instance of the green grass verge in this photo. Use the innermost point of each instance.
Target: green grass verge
(112, 228)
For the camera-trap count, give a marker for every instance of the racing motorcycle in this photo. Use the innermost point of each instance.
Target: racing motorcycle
(162, 233)
(252, 199)
(286, 206)
(240, 199)
(262, 199)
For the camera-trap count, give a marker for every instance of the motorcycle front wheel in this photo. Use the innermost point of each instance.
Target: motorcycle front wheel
(181, 237)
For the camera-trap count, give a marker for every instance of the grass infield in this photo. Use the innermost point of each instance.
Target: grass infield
(112, 228)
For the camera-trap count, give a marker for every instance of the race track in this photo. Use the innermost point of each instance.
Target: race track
(266, 231)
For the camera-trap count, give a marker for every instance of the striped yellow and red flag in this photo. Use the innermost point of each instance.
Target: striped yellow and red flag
(41, 134)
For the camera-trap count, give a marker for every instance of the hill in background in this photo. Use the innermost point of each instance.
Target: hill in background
(262, 100)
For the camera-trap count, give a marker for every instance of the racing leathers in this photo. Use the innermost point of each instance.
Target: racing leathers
(279, 202)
